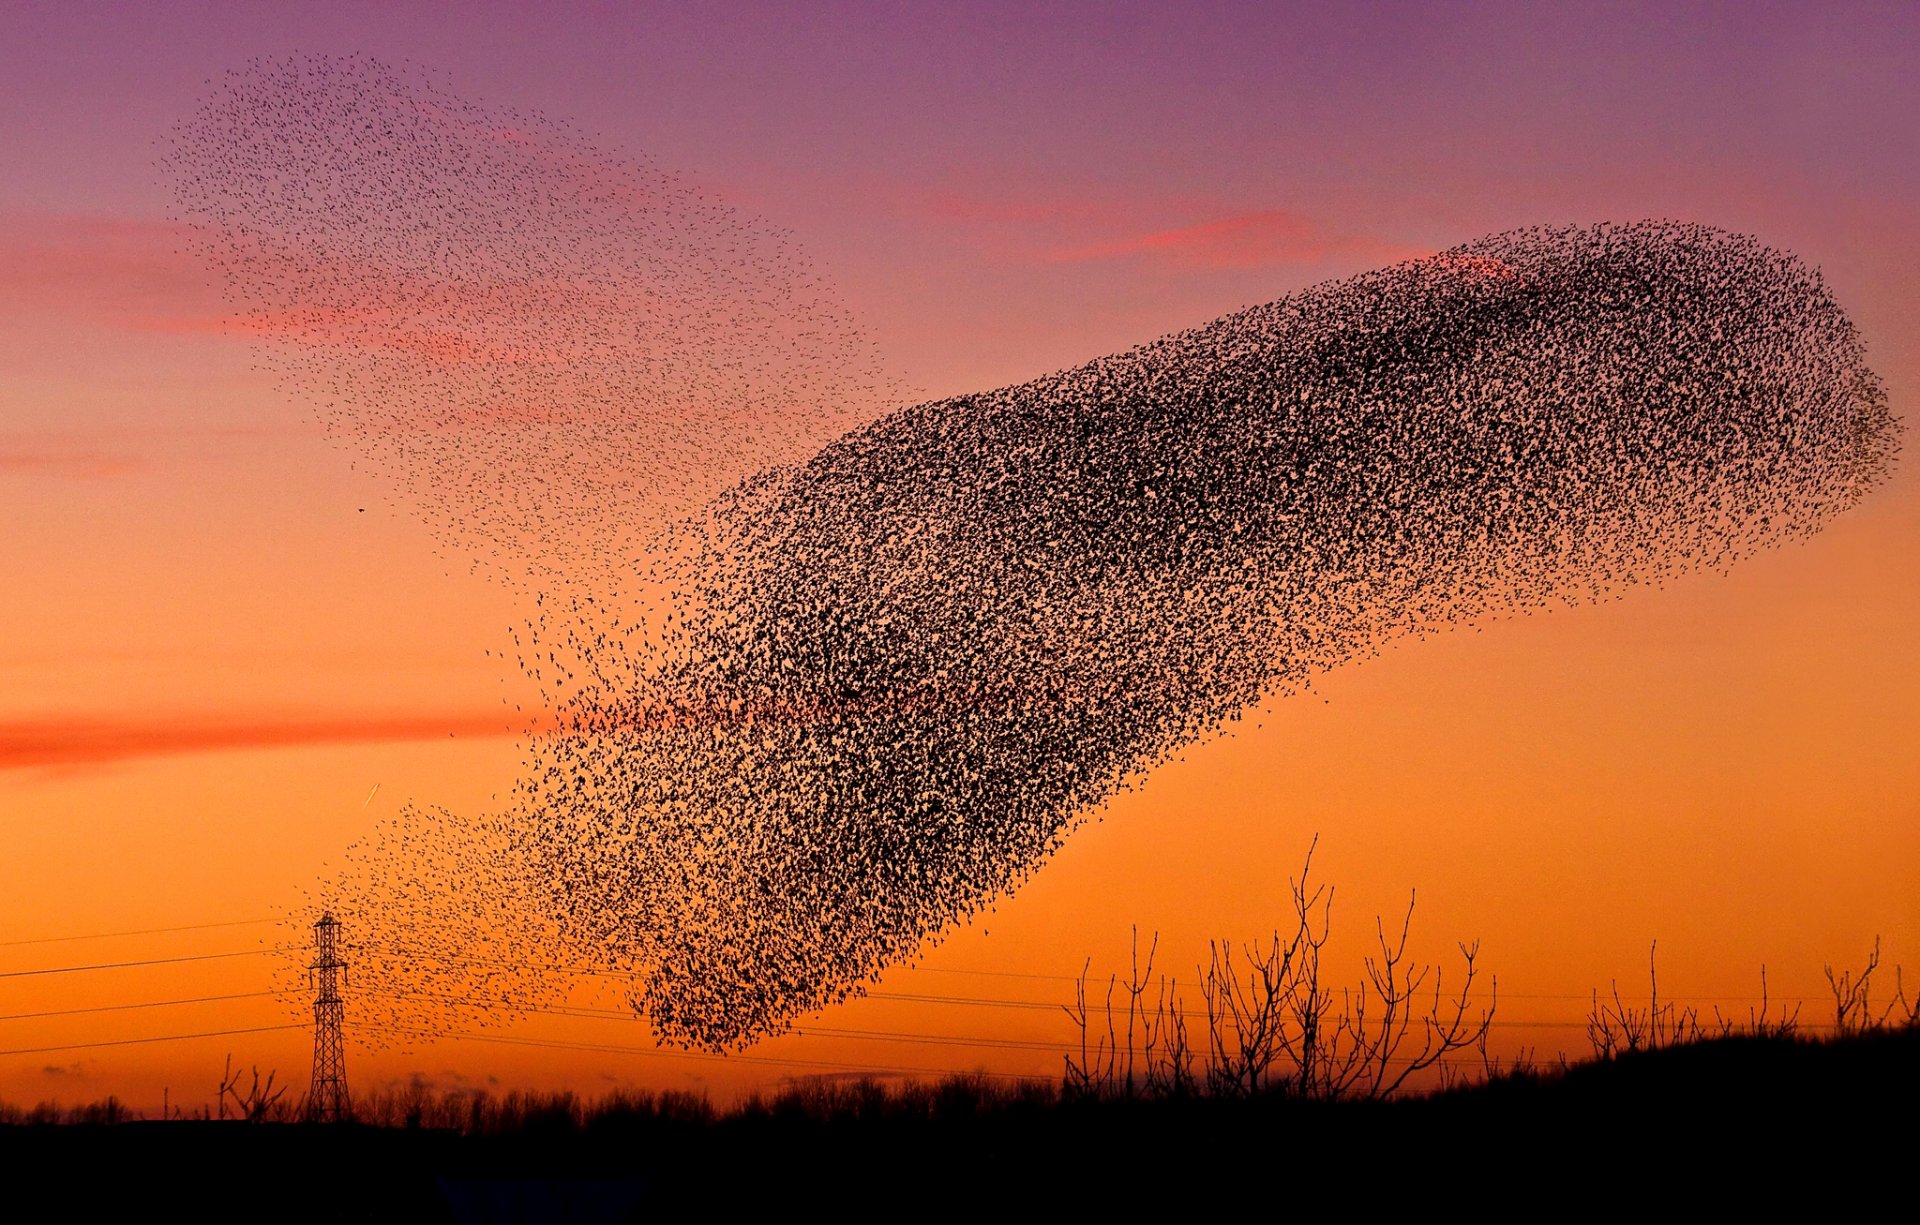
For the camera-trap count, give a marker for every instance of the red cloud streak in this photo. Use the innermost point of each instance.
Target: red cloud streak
(1247, 241)
(72, 465)
(53, 743)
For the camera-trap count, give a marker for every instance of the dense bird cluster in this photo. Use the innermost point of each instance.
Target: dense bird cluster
(875, 689)
(924, 655)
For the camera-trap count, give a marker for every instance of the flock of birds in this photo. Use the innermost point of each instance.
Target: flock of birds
(805, 723)
(545, 348)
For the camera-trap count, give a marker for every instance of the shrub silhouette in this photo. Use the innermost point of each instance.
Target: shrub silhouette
(1272, 1022)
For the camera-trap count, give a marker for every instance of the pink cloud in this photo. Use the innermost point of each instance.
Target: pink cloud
(106, 268)
(1094, 227)
(67, 465)
(108, 451)
(139, 275)
(1248, 240)
(1051, 211)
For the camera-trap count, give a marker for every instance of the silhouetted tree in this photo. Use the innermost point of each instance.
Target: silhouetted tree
(1273, 1022)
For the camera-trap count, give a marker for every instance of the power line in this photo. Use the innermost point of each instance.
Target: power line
(923, 1039)
(86, 1046)
(143, 931)
(1058, 978)
(820, 1031)
(602, 972)
(558, 1010)
(885, 1035)
(591, 1013)
(658, 1053)
(586, 1013)
(1095, 1008)
(74, 1012)
(121, 965)
(1093, 981)
(609, 1014)
(973, 1001)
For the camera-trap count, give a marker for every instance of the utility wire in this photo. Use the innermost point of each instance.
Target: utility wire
(821, 1031)
(121, 965)
(608, 1014)
(922, 1039)
(143, 931)
(74, 1012)
(657, 1053)
(665, 1053)
(87, 1046)
(602, 972)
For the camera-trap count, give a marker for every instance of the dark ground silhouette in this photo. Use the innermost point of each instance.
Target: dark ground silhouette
(1740, 1120)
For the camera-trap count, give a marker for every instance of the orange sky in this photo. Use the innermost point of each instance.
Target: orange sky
(210, 653)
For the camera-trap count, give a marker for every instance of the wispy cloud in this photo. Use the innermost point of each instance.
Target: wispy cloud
(105, 451)
(1245, 240)
(107, 269)
(1048, 212)
(67, 465)
(140, 276)
(1064, 228)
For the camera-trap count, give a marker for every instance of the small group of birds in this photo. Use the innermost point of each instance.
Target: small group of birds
(818, 713)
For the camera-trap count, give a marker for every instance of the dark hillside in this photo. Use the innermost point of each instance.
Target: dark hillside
(1752, 1121)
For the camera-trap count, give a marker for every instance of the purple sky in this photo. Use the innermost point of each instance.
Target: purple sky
(941, 158)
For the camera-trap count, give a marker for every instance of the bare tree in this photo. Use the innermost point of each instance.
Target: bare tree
(1616, 1028)
(1147, 1020)
(1761, 1022)
(1274, 1024)
(1171, 1074)
(1901, 1011)
(1371, 1058)
(1154, 1058)
(258, 1103)
(1092, 1073)
(1852, 996)
(1246, 1027)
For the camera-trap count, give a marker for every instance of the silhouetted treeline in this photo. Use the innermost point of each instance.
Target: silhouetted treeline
(1705, 1123)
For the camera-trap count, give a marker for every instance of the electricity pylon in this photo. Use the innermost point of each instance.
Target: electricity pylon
(327, 1099)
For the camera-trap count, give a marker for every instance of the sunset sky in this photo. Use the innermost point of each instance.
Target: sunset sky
(225, 653)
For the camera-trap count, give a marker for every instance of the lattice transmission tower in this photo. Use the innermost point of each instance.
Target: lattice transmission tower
(327, 1099)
